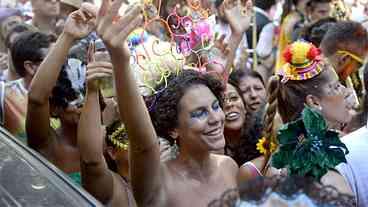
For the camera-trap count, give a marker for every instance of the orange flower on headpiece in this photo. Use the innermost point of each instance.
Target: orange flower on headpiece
(302, 61)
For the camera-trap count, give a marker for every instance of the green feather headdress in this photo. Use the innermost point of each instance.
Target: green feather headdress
(307, 147)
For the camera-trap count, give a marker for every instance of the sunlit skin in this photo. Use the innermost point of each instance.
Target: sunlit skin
(333, 103)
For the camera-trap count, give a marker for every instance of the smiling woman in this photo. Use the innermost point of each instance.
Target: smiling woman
(180, 110)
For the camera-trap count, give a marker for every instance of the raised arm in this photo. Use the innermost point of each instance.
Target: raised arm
(144, 147)
(97, 179)
(77, 26)
(239, 15)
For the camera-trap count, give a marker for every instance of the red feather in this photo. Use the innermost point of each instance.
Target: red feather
(313, 53)
(288, 55)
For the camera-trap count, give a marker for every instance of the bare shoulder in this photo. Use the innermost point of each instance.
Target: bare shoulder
(225, 162)
(122, 192)
(336, 180)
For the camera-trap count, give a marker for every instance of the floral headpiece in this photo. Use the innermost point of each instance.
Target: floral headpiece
(119, 138)
(307, 147)
(302, 62)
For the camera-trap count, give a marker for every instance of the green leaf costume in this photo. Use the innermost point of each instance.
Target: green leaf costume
(307, 147)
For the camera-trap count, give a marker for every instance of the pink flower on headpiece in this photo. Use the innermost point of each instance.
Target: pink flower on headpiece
(201, 32)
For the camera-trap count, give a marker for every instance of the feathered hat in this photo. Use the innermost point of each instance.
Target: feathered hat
(302, 61)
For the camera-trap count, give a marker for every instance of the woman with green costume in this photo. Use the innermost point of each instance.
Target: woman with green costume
(306, 83)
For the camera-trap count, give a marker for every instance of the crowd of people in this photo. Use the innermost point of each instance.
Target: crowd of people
(192, 103)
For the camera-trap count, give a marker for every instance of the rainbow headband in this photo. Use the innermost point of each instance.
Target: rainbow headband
(302, 62)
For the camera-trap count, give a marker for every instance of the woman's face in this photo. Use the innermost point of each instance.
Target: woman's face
(200, 120)
(234, 109)
(253, 92)
(71, 114)
(334, 105)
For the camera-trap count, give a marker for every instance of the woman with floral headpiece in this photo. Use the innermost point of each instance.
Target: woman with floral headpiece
(306, 81)
(188, 110)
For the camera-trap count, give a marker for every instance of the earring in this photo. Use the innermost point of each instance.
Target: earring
(319, 108)
(175, 148)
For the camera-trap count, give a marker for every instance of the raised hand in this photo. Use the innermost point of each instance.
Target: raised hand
(96, 71)
(239, 14)
(80, 23)
(114, 29)
(222, 47)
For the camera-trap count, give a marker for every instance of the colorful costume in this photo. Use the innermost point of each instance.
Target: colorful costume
(306, 146)
(13, 97)
(13, 109)
(288, 35)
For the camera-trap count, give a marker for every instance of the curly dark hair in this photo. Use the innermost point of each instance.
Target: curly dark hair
(63, 92)
(164, 106)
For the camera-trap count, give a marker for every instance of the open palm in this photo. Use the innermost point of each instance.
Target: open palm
(239, 14)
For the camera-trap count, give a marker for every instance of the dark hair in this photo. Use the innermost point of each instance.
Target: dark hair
(63, 92)
(237, 75)
(345, 35)
(27, 47)
(287, 8)
(19, 28)
(265, 5)
(315, 32)
(253, 124)
(365, 100)
(164, 106)
(218, 3)
(312, 4)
